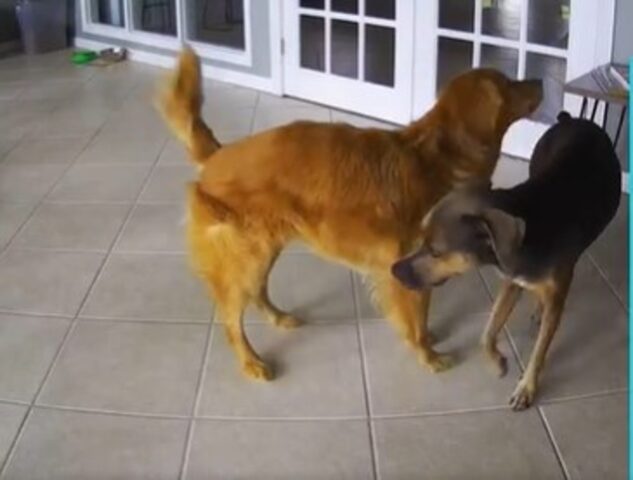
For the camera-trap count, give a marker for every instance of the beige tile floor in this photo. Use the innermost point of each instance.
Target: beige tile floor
(111, 366)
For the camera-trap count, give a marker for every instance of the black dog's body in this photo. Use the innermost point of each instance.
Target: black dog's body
(533, 233)
(572, 194)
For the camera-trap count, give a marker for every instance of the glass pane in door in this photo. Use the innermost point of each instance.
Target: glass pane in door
(380, 55)
(312, 40)
(156, 16)
(108, 12)
(219, 22)
(318, 4)
(552, 71)
(381, 8)
(501, 18)
(345, 6)
(454, 57)
(548, 22)
(457, 14)
(344, 53)
(503, 59)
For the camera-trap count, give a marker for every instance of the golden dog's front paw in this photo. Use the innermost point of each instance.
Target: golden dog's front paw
(437, 362)
(523, 396)
(257, 370)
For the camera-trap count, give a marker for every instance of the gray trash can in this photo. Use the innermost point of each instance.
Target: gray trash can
(43, 24)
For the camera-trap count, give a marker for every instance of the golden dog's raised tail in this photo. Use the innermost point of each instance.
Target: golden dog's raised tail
(179, 103)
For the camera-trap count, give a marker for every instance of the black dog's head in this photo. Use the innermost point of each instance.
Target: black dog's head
(460, 232)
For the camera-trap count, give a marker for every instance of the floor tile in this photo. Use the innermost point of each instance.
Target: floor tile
(11, 90)
(591, 434)
(399, 384)
(6, 145)
(133, 367)
(46, 151)
(476, 446)
(100, 183)
(268, 100)
(280, 450)
(360, 121)
(310, 288)
(150, 287)
(108, 150)
(10, 419)
(227, 98)
(459, 297)
(611, 251)
(13, 216)
(26, 183)
(132, 121)
(226, 122)
(27, 348)
(174, 153)
(589, 352)
(510, 172)
(40, 281)
(69, 122)
(310, 363)
(73, 226)
(71, 445)
(168, 184)
(50, 89)
(267, 118)
(16, 122)
(154, 228)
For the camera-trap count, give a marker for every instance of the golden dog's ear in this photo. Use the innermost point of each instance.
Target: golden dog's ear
(502, 232)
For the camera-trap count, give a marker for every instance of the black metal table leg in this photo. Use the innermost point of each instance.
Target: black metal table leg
(606, 115)
(583, 108)
(593, 110)
(620, 122)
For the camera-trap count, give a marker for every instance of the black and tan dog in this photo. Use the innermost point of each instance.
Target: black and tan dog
(533, 233)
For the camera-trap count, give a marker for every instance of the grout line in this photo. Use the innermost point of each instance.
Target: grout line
(37, 204)
(584, 396)
(605, 278)
(221, 418)
(550, 436)
(21, 403)
(16, 439)
(73, 323)
(255, 108)
(184, 466)
(151, 321)
(105, 411)
(373, 448)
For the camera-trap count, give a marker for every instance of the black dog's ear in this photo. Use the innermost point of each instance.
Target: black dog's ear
(499, 230)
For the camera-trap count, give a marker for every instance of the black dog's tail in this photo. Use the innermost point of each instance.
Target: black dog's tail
(563, 117)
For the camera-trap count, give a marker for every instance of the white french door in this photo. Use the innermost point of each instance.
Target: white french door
(391, 65)
(554, 40)
(351, 54)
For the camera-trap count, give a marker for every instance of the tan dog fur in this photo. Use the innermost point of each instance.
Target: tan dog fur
(354, 195)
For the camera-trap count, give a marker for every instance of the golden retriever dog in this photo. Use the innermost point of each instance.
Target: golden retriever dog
(353, 195)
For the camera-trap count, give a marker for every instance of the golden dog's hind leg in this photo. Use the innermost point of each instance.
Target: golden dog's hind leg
(231, 308)
(408, 312)
(273, 314)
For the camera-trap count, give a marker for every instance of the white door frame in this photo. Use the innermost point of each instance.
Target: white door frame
(587, 48)
(345, 93)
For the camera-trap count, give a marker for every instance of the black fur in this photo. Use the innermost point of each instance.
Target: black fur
(572, 193)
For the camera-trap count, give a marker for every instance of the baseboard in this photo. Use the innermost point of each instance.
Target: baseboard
(10, 46)
(208, 71)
